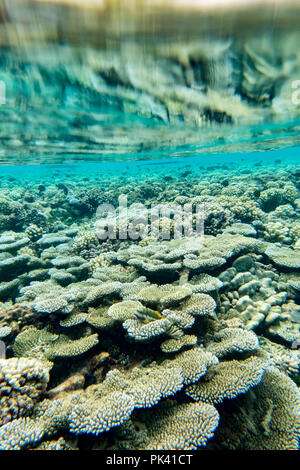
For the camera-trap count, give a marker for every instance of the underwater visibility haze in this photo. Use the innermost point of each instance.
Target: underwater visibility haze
(149, 225)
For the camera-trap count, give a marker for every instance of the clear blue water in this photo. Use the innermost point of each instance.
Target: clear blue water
(154, 167)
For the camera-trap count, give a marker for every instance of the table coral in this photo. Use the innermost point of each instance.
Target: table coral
(180, 427)
(227, 380)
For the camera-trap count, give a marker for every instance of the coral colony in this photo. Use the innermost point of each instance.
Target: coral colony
(143, 343)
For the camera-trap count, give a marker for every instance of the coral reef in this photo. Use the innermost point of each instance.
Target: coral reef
(152, 343)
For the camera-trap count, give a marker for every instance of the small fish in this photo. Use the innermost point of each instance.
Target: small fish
(145, 313)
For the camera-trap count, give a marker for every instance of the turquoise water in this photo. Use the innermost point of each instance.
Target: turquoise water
(171, 323)
(286, 158)
(109, 94)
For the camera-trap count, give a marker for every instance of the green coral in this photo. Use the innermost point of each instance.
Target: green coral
(48, 346)
(33, 342)
(63, 347)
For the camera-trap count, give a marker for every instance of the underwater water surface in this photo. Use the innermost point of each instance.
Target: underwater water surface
(149, 230)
